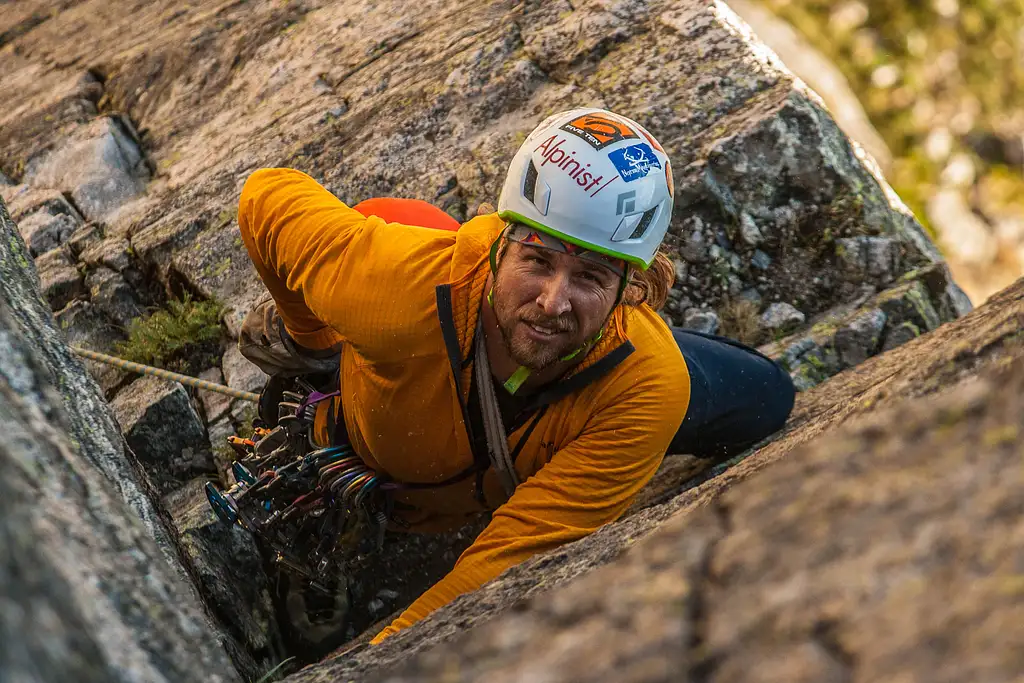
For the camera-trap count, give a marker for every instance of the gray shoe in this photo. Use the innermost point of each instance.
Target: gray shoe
(316, 615)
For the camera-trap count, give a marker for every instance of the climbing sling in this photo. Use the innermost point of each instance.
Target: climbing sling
(494, 429)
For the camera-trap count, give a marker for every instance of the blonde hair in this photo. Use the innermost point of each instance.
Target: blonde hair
(651, 286)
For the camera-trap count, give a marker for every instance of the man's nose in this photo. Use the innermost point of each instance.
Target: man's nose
(554, 296)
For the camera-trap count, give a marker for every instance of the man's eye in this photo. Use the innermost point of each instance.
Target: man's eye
(587, 275)
(537, 259)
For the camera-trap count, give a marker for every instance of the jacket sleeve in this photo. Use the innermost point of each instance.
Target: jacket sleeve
(331, 270)
(586, 485)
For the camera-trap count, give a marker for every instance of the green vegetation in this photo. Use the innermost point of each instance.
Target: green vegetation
(177, 337)
(275, 673)
(930, 76)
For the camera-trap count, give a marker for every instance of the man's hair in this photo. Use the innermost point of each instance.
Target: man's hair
(651, 286)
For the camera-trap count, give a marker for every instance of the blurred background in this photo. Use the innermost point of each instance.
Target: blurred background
(932, 90)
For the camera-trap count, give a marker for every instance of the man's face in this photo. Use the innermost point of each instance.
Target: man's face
(548, 304)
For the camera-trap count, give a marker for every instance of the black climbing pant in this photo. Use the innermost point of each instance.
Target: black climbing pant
(738, 396)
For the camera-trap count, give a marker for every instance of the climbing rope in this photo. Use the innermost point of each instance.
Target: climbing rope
(165, 374)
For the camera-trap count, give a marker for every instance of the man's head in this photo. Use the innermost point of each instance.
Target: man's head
(550, 297)
(588, 197)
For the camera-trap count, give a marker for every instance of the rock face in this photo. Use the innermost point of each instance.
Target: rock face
(91, 584)
(876, 526)
(778, 218)
(773, 205)
(228, 569)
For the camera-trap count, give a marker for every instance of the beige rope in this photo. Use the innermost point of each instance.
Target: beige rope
(165, 374)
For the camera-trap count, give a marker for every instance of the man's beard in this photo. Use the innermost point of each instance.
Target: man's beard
(528, 352)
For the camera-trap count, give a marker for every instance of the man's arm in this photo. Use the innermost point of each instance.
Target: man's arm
(335, 274)
(587, 484)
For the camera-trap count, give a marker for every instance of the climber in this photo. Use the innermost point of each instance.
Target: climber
(514, 364)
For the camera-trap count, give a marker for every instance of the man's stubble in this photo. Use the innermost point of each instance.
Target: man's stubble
(526, 352)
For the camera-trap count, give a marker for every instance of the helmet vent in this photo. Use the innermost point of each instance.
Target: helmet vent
(530, 183)
(645, 222)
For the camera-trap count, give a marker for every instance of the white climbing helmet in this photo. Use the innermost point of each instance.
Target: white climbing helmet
(594, 179)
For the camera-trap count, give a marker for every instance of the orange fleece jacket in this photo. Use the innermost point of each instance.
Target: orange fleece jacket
(369, 289)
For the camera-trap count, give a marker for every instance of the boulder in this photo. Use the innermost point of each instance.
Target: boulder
(92, 584)
(910, 302)
(99, 164)
(111, 294)
(59, 278)
(780, 317)
(900, 335)
(164, 430)
(700, 320)
(44, 231)
(858, 339)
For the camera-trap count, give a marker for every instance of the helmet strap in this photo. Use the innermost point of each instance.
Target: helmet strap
(493, 256)
(518, 378)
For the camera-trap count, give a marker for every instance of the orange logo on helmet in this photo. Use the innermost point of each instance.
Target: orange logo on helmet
(599, 130)
(654, 143)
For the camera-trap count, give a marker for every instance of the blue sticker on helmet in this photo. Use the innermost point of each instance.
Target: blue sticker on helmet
(634, 162)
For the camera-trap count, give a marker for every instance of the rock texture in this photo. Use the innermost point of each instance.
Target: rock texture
(91, 587)
(819, 73)
(875, 543)
(228, 569)
(774, 205)
(99, 166)
(142, 130)
(164, 430)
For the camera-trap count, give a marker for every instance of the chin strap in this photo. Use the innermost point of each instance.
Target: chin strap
(522, 373)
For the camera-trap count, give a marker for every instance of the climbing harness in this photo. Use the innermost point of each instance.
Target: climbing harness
(321, 510)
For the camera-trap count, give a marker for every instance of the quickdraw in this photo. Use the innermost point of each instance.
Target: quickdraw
(321, 510)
